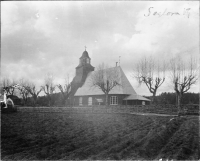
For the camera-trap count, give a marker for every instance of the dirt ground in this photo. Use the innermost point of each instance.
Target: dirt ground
(71, 136)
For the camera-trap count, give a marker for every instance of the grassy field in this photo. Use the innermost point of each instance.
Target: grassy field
(70, 135)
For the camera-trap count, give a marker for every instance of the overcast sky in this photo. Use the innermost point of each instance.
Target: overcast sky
(49, 37)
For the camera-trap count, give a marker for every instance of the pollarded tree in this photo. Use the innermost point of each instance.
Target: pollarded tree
(34, 92)
(65, 91)
(5, 83)
(151, 73)
(23, 91)
(8, 85)
(105, 79)
(49, 87)
(183, 76)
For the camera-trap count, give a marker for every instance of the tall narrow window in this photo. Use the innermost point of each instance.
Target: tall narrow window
(113, 100)
(90, 101)
(80, 101)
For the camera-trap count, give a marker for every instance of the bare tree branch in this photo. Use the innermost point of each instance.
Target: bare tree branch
(184, 75)
(49, 87)
(23, 91)
(151, 73)
(33, 91)
(65, 90)
(8, 85)
(105, 79)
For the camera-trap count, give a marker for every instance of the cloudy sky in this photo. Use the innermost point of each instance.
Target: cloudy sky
(49, 37)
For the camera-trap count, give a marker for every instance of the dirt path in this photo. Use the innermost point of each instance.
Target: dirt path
(151, 114)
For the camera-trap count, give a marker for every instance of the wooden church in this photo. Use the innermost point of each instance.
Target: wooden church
(83, 94)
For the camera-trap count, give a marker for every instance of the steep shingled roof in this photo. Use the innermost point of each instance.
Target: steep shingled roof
(124, 88)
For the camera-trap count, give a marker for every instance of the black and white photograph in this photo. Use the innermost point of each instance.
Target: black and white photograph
(100, 80)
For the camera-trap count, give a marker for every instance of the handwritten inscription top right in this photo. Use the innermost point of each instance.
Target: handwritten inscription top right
(152, 12)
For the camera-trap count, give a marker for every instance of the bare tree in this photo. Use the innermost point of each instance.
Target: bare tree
(184, 75)
(34, 92)
(151, 73)
(5, 83)
(8, 85)
(23, 91)
(105, 79)
(49, 87)
(65, 91)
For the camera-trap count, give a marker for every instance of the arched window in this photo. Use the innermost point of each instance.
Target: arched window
(80, 101)
(113, 100)
(90, 101)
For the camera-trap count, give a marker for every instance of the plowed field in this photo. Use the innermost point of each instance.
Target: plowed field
(71, 136)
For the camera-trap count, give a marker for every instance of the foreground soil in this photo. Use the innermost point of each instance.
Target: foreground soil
(91, 136)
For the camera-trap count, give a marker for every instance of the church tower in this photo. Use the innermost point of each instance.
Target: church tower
(84, 66)
(82, 71)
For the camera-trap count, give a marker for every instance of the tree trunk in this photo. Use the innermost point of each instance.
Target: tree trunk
(106, 99)
(35, 100)
(67, 102)
(24, 102)
(153, 98)
(179, 103)
(49, 100)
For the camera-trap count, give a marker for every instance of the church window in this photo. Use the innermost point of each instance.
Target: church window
(80, 101)
(88, 61)
(113, 100)
(90, 101)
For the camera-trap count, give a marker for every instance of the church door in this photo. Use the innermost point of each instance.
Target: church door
(90, 101)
